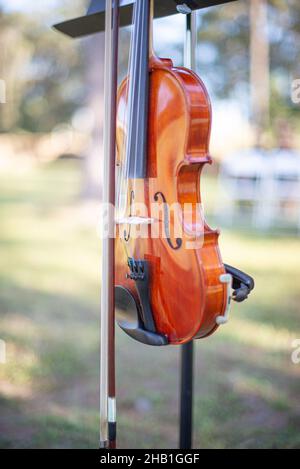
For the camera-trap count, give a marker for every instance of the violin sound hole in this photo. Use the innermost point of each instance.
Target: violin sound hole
(178, 241)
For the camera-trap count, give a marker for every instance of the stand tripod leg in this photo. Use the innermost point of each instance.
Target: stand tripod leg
(186, 396)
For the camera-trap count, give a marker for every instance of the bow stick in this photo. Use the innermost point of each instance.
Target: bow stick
(107, 338)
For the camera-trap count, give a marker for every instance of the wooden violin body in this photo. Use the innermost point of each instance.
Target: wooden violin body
(186, 291)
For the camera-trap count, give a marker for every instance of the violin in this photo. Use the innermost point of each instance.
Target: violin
(171, 283)
(163, 278)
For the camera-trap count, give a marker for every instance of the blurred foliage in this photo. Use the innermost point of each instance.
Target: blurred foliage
(42, 70)
(224, 39)
(224, 52)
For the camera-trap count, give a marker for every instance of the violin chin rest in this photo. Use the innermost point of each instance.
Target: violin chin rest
(129, 320)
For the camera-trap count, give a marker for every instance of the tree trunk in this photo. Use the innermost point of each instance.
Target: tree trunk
(259, 67)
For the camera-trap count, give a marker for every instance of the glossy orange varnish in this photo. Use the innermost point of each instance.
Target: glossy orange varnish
(185, 290)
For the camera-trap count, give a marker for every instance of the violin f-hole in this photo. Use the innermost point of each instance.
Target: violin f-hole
(166, 222)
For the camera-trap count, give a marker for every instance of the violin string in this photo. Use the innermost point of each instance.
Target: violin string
(135, 83)
(130, 91)
(133, 96)
(144, 29)
(139, 66)
(130, 95)
(124, 140)
(125, 119)
(140, 31)
(126, 122)
(138, 70)
(131, 84)
(138, 103)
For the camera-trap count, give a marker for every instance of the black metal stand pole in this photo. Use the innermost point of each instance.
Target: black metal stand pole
(186, 396)
(187, 350)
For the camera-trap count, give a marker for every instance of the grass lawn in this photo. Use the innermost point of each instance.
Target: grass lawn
(246, 386)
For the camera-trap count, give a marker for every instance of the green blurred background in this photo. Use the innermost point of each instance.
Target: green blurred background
(246, 384)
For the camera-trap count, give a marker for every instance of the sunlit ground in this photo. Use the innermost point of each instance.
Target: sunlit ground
(246, 389)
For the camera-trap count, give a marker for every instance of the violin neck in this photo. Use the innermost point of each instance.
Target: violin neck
(138, 93)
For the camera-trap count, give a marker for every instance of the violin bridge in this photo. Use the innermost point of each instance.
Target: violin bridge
(135, 221)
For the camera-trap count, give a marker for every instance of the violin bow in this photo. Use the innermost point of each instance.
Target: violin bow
(107, 326)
